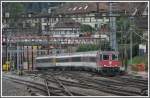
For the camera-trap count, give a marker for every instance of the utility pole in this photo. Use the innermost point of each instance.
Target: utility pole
(7, 16)
(10, 52)
(6, 49)
(32, 57)
(131, 30)
(28, 57)
(112, 21)
(97, 29)
(131, 40)
(18, 63)
(125, 51)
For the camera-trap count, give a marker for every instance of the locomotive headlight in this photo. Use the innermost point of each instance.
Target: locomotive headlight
(105, 65)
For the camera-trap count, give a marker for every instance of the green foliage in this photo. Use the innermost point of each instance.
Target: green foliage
(83, 48)
(14, 8)
(90, 47)
(123, 31)
(123, 36)
(140, 60)
(17, 8)
(123, 25)
(86, 28)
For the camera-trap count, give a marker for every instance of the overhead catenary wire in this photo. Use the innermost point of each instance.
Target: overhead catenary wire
(140, 36)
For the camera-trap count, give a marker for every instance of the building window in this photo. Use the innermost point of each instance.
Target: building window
(90, 19)
(80, 19)
(96, 25)
(63, 32)
(46, 28)
(75, 31)
(45, 20)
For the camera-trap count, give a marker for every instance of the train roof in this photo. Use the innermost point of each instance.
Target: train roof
(77, 54)
(109, 52)
(66, 55)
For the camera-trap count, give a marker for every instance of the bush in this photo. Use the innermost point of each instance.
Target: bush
(134, 67)
(86, 28)
(140, 60)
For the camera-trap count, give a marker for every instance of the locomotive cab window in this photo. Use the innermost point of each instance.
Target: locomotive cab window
(105, 57)
(114, 57)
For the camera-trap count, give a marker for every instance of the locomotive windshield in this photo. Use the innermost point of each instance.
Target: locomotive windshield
(105, 57)
(114, 57)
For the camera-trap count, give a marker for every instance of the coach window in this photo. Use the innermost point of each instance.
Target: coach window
(105, 57)
(76, 59)
(62, 59)
(38, 61)
(114, 57)
(92, 59)
(43, 60)
(46, 60)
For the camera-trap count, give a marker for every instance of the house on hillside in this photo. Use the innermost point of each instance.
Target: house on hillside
(66, 28)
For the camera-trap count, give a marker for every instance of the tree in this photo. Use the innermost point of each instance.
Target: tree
(14, 8)
(83, 48)
(124, 29)
(123, 25)
(92, 47)
(86, 28)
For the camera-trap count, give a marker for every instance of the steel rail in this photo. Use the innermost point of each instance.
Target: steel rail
(32, 84)
(85, 82)
(103, 85)
(48, 90)
(60, 84)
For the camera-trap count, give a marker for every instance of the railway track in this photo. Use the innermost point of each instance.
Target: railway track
(117, 86)
(42, 89)
(47, 87)
(63, 89)
(68, 83)
(29, 85)
(98, 85)
(107, 85)
(131, 79)
(124, 80)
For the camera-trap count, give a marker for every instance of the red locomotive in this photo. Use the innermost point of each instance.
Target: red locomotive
(108, 62)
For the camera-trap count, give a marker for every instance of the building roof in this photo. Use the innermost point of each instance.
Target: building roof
(82, 7)
(88, 7)
(127, 8)
(67, 23)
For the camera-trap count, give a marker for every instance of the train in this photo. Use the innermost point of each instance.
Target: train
(104, 62)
